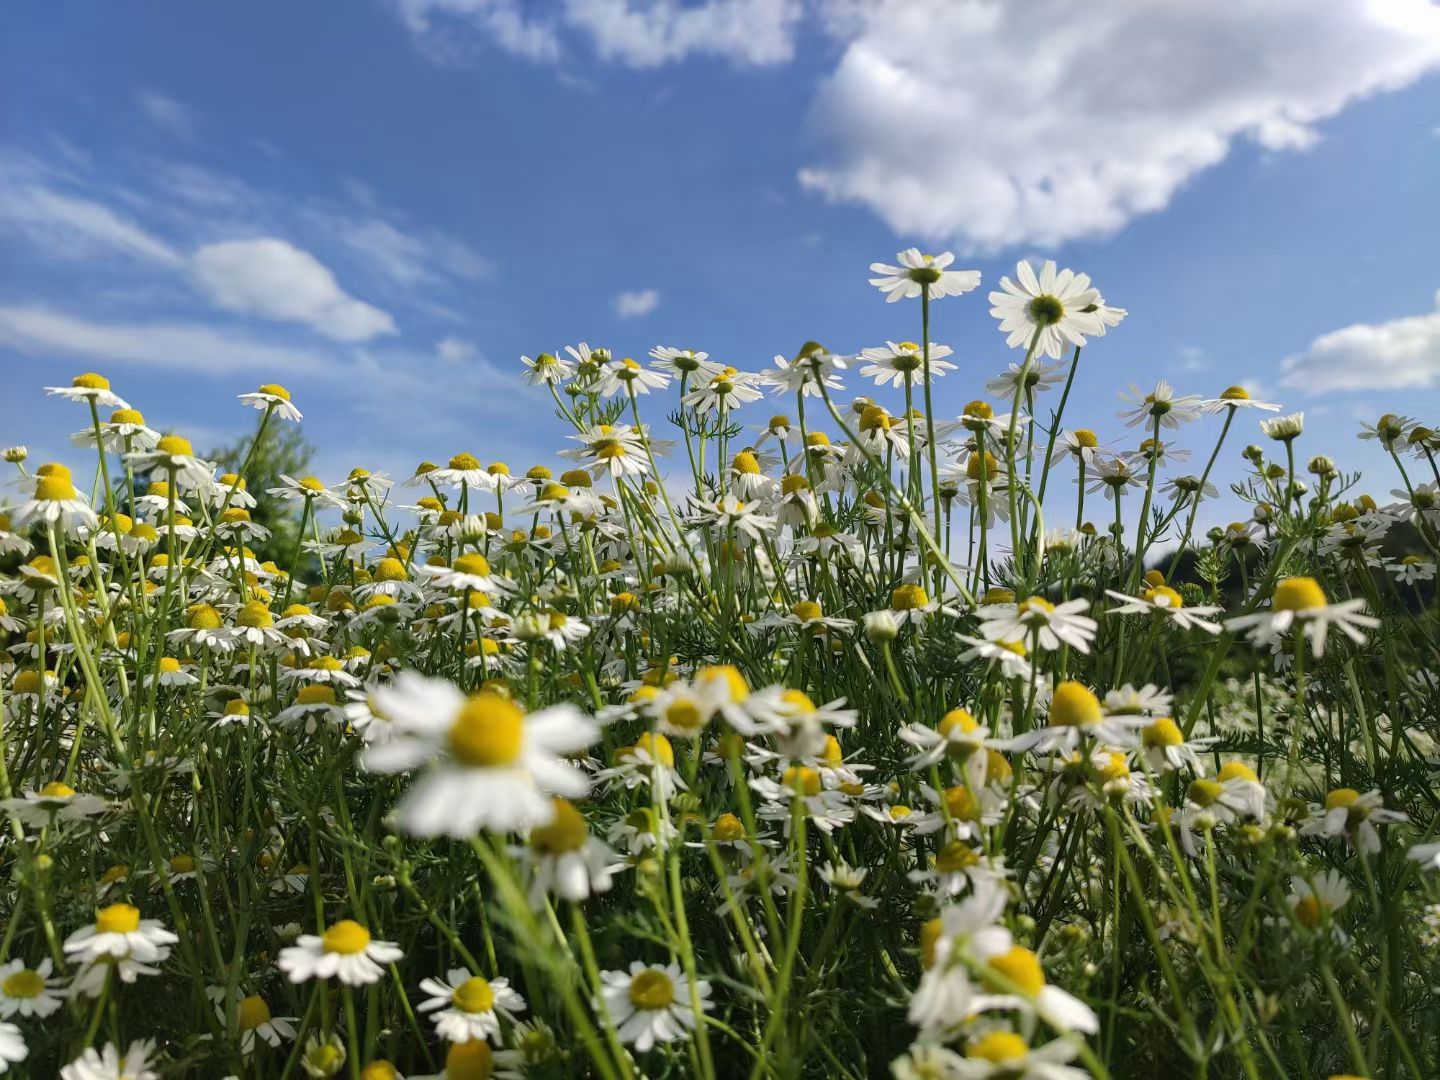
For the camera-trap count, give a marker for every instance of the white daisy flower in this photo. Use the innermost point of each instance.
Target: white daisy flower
(898, 364)
(651, 1004)
(918, 272)
(56, 503)
(1167, 602)
(546, 369)
(111, 1064)
(491, 766)
(345, 951)
(1300, 603)
(12, 1046)
(28, 991)
(119, 933)
(273, 398)
(1061, 308)
(469, 1007)
(92, 389)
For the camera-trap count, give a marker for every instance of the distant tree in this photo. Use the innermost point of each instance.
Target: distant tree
(283, 450)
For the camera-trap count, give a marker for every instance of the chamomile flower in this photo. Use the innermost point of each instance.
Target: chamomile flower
(92, 389)
(546, 369)
(253, 1020)
(57, 503)
(28, 992)
(1235, 398)
(652, 1004)
(1299, 603)
(1037, 620)
(111, 1064)
(723, 391)
(345, 951)
(12, 1046)
(1315, 900)
(1353, 815)
(1166, 602)
(919, 273)
(1055, 310)
(490, 765)
(274, 399)
(54, 801)
(124, 430)
(629, 376)
(119, 933)
(466, 1006)
(904, 363)
(567, 860)
(1004, 1055)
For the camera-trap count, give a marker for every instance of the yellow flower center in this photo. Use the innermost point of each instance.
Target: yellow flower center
(346, 937)
(117, 919)
(908, 598)
(566, 833)
(318, 694)
(1086, 438)
(464, 462)
(488, 732)
(729, 828)
(1163, 731)
(56, 790)
(275, 390)
(729, 674)
(955, 857)
(473, 1060)
(251, 1012)
(1235, 393)
(802, 779)
(1236, 770)
(1113, 767)
(1204, 792)
(1310, 910)
(1022, 968)
(169, 665)
(54, 488)
(90, 381)
(998, 1047)
(379, 1070)
(175, 446)
(23, 984)
(236, 707)
(747, 463)
(255, 615)
(652, 989)
(1164, 596)
(1074, 705)
(474, 996)
(1297, 594)
(658, 747)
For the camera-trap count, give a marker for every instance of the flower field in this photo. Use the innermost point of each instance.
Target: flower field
(831, 743)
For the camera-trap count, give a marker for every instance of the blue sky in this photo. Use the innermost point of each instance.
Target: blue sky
(384, 204)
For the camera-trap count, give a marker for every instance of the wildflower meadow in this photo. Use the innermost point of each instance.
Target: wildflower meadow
(773, 735)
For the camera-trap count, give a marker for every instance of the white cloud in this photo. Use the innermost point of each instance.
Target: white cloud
(632, 305)
(648, 34)
(433, 22)
(186, 347)
(407, 258)
(167, 113)
(32, 204)
(1395, 355)
(454, 350)
(274, 279)
(637, 33)
(994, 123)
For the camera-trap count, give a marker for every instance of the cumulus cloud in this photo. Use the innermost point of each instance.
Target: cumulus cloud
(1396, 355)
(276, 280)
(42, 331)
(993, 123)
(632, 305)
(636, 33)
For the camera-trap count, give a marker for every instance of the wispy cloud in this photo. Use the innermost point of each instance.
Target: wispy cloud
(166, 112)
(190, 347)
